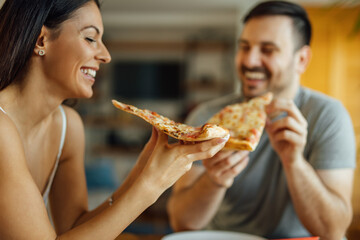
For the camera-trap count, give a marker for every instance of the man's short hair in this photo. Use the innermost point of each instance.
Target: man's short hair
(299, 16)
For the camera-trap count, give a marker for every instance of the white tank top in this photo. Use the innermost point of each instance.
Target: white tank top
(62, 140)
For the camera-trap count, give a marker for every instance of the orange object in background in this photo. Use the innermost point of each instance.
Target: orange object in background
(304, 238)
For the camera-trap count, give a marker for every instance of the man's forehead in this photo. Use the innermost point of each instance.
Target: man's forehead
(268, 29)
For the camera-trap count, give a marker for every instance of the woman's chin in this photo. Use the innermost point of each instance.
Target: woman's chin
(86, 93)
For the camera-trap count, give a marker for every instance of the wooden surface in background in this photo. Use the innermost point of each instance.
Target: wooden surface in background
(129, 236)
(335, 71)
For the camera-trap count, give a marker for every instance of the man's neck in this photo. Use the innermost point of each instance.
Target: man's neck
(289, 92)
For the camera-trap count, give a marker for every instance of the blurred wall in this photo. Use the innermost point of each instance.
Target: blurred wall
(335, 70)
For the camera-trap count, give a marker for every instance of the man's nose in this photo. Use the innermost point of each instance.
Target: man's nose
(252, 58)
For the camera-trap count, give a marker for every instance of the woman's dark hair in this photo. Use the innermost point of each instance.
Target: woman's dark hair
(301, 22)
(20, 25)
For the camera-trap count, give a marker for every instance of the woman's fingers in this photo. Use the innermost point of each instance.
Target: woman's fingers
(152, 141)
(203, 150)
(162, 138)
(149, 147)
(226, 161)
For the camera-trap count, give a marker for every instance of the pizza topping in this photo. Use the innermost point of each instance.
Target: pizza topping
(177, 130)
(245, 122)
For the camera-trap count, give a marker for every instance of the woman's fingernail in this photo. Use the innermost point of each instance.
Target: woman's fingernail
(224, 139)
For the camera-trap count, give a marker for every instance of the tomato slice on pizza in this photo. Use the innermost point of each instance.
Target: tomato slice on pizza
(176, 130)
(246, 122)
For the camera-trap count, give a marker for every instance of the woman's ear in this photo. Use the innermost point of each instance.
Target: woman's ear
(40, 46)
(303, 59)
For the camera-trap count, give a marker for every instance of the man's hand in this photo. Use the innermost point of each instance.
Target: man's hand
(287, 135)
(225, 166)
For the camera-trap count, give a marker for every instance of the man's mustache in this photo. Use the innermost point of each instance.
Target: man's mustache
(255, 69)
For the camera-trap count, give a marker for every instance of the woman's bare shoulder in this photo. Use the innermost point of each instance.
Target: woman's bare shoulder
(11, 147)
(8, 130)
(74, 139)
(73, 117)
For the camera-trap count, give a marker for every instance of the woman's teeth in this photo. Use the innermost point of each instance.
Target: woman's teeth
(88, 71)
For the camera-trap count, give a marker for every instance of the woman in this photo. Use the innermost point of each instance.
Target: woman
(50, 51)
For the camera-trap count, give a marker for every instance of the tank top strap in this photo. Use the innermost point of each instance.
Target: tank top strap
(2, 110)
(62, 141)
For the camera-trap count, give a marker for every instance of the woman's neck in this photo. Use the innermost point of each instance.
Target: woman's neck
(28, 105)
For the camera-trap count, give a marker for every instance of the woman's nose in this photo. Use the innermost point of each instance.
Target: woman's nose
(104, 55)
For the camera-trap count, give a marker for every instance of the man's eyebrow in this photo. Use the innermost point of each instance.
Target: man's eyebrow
(91, 26)
(242, 41)
(272, 44)
(265, 43)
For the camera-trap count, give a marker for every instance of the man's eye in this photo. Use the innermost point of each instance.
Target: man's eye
(268, 50)
(244, 47)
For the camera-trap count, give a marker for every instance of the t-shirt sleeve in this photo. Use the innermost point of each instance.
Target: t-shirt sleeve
(331, 138)
(194, 118)
(201, 114)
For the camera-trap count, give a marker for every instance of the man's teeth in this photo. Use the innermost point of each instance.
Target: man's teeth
(88, 71)
(255, 75)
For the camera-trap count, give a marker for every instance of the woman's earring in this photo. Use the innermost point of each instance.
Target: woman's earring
(41, 52)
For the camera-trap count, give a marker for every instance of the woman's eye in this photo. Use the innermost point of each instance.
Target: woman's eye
(91, 40)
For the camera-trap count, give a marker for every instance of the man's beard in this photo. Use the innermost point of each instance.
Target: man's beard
(276, 86)
(251, 91)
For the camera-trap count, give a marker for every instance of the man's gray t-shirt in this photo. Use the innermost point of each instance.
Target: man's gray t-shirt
(259, 201)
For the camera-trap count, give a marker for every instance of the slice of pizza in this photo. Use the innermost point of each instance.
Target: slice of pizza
(176, 130)
(246, 122)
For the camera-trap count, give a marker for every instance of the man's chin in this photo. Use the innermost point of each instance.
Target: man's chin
(254, 92)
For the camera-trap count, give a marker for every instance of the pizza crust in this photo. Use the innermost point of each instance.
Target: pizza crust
(235, 144)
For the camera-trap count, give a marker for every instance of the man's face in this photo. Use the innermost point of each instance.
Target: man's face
(265, 60)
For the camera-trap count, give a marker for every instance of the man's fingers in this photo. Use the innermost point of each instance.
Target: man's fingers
(287, 123)
(230, 161)
(236, 169)
(289, 136)
(217, 158)
(285, 105)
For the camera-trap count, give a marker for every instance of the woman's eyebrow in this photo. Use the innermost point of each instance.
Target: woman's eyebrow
(91, 26)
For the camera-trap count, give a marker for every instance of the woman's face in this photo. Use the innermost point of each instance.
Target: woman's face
(73, 58)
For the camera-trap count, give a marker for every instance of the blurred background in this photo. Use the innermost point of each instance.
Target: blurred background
(169, 56)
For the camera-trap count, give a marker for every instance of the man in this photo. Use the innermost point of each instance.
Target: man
(298, 182)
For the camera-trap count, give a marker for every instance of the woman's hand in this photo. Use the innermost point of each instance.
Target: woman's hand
(167, 163)
(148, 149)
(140, 163)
